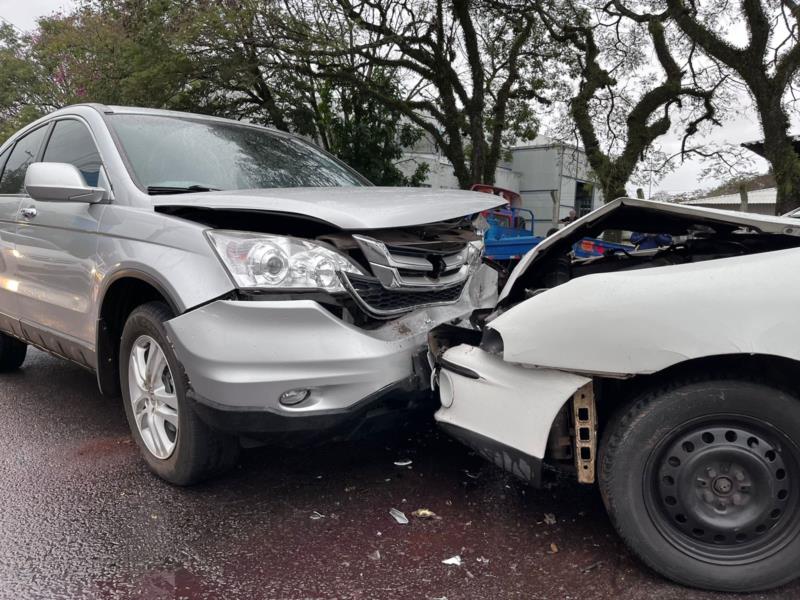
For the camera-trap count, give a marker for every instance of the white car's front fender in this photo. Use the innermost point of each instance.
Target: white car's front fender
(643, 321)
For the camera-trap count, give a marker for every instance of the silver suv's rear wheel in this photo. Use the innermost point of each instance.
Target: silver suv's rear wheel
(175, 443)
(152, 396)
(12, 353)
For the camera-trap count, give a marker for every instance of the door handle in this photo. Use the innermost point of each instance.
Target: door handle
(28, 213)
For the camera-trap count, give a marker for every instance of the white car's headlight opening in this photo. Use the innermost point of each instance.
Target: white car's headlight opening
(257, 260)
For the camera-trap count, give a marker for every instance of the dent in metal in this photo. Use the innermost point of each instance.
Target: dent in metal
(243, 355)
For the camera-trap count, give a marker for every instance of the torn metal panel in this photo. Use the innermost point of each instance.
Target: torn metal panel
(585, 418)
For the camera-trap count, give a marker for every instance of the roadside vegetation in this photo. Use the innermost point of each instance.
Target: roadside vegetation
(367, 79)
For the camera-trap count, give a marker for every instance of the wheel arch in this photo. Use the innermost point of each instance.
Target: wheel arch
(614, 394)
(780, 370)
(121, 294)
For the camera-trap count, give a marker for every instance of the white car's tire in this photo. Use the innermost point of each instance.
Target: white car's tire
(701, 478)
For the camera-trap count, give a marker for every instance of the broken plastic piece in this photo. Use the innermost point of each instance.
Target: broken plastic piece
(454, 561)
(424, 513)
(317, 515)
(550, 519)
(402, 463)
(399, 516)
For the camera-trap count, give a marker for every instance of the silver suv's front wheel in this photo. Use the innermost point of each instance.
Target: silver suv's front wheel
(175, 443)
(152, 396)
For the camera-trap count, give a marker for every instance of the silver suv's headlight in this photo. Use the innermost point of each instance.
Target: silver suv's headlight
(260, 260)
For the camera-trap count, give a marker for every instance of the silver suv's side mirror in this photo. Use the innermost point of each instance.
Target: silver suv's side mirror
(60, 181)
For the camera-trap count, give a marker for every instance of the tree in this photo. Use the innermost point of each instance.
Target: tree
(24, 96)
(621, 106)
(367, 135)
(242, 68)
(113, 52)
(768, 65)
(466, 71)
(196, 56)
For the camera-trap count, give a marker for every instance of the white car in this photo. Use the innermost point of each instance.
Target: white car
(669, 376)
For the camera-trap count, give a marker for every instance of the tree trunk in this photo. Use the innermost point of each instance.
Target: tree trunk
(779, 151)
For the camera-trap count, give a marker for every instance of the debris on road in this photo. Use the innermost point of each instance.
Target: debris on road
(592, 567)
(471, 475)
(425, 513)
(550, 519)
(483, 560)
(402, 463)
(399, 516)
(454, 561)
(553, 549)
(316, 515)
(375, 555)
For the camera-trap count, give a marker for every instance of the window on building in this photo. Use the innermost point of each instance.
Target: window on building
(584, 196)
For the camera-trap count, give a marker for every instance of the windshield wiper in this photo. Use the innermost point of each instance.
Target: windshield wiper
(155, 190)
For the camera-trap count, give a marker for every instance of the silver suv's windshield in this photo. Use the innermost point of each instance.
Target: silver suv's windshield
(176, 154)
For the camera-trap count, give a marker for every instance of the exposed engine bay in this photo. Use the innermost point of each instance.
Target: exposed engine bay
(694, 238)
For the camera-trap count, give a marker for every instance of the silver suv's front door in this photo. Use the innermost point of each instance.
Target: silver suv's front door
(57, 249)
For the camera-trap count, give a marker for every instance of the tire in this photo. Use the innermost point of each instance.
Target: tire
(12, 353)
(701, 478)
(176, 444)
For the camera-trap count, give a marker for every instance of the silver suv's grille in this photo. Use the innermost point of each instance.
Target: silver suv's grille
(407, 277)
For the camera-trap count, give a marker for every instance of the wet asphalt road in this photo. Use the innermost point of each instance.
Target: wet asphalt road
(82, 518)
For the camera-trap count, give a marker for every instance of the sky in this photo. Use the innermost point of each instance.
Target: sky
(743, 127)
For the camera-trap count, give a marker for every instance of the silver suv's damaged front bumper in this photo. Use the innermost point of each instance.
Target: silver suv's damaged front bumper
(242, 356)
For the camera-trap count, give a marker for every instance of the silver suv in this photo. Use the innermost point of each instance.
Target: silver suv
(228, 280)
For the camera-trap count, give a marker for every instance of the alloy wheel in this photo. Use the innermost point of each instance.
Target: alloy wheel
(152, 396)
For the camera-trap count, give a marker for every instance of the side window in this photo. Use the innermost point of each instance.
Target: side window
(23, 154)
(72, 143)
(3, 158)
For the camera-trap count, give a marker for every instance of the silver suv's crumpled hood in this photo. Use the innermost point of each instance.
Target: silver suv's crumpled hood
(346, 207)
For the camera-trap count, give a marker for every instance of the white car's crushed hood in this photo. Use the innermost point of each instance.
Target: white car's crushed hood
(349, 208)
(623, 213)
(640, 321)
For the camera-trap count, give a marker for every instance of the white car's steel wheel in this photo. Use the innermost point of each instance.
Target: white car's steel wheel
(153, 398)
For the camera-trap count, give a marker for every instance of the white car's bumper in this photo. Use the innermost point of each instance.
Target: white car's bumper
(502, 410)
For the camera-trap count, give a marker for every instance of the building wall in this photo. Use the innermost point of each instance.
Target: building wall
(440, 172)
(547, 175)
(550, 176)
(759, 209)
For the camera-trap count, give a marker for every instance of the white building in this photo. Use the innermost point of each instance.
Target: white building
(554, 178)
(763, 202)
(551, 177)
